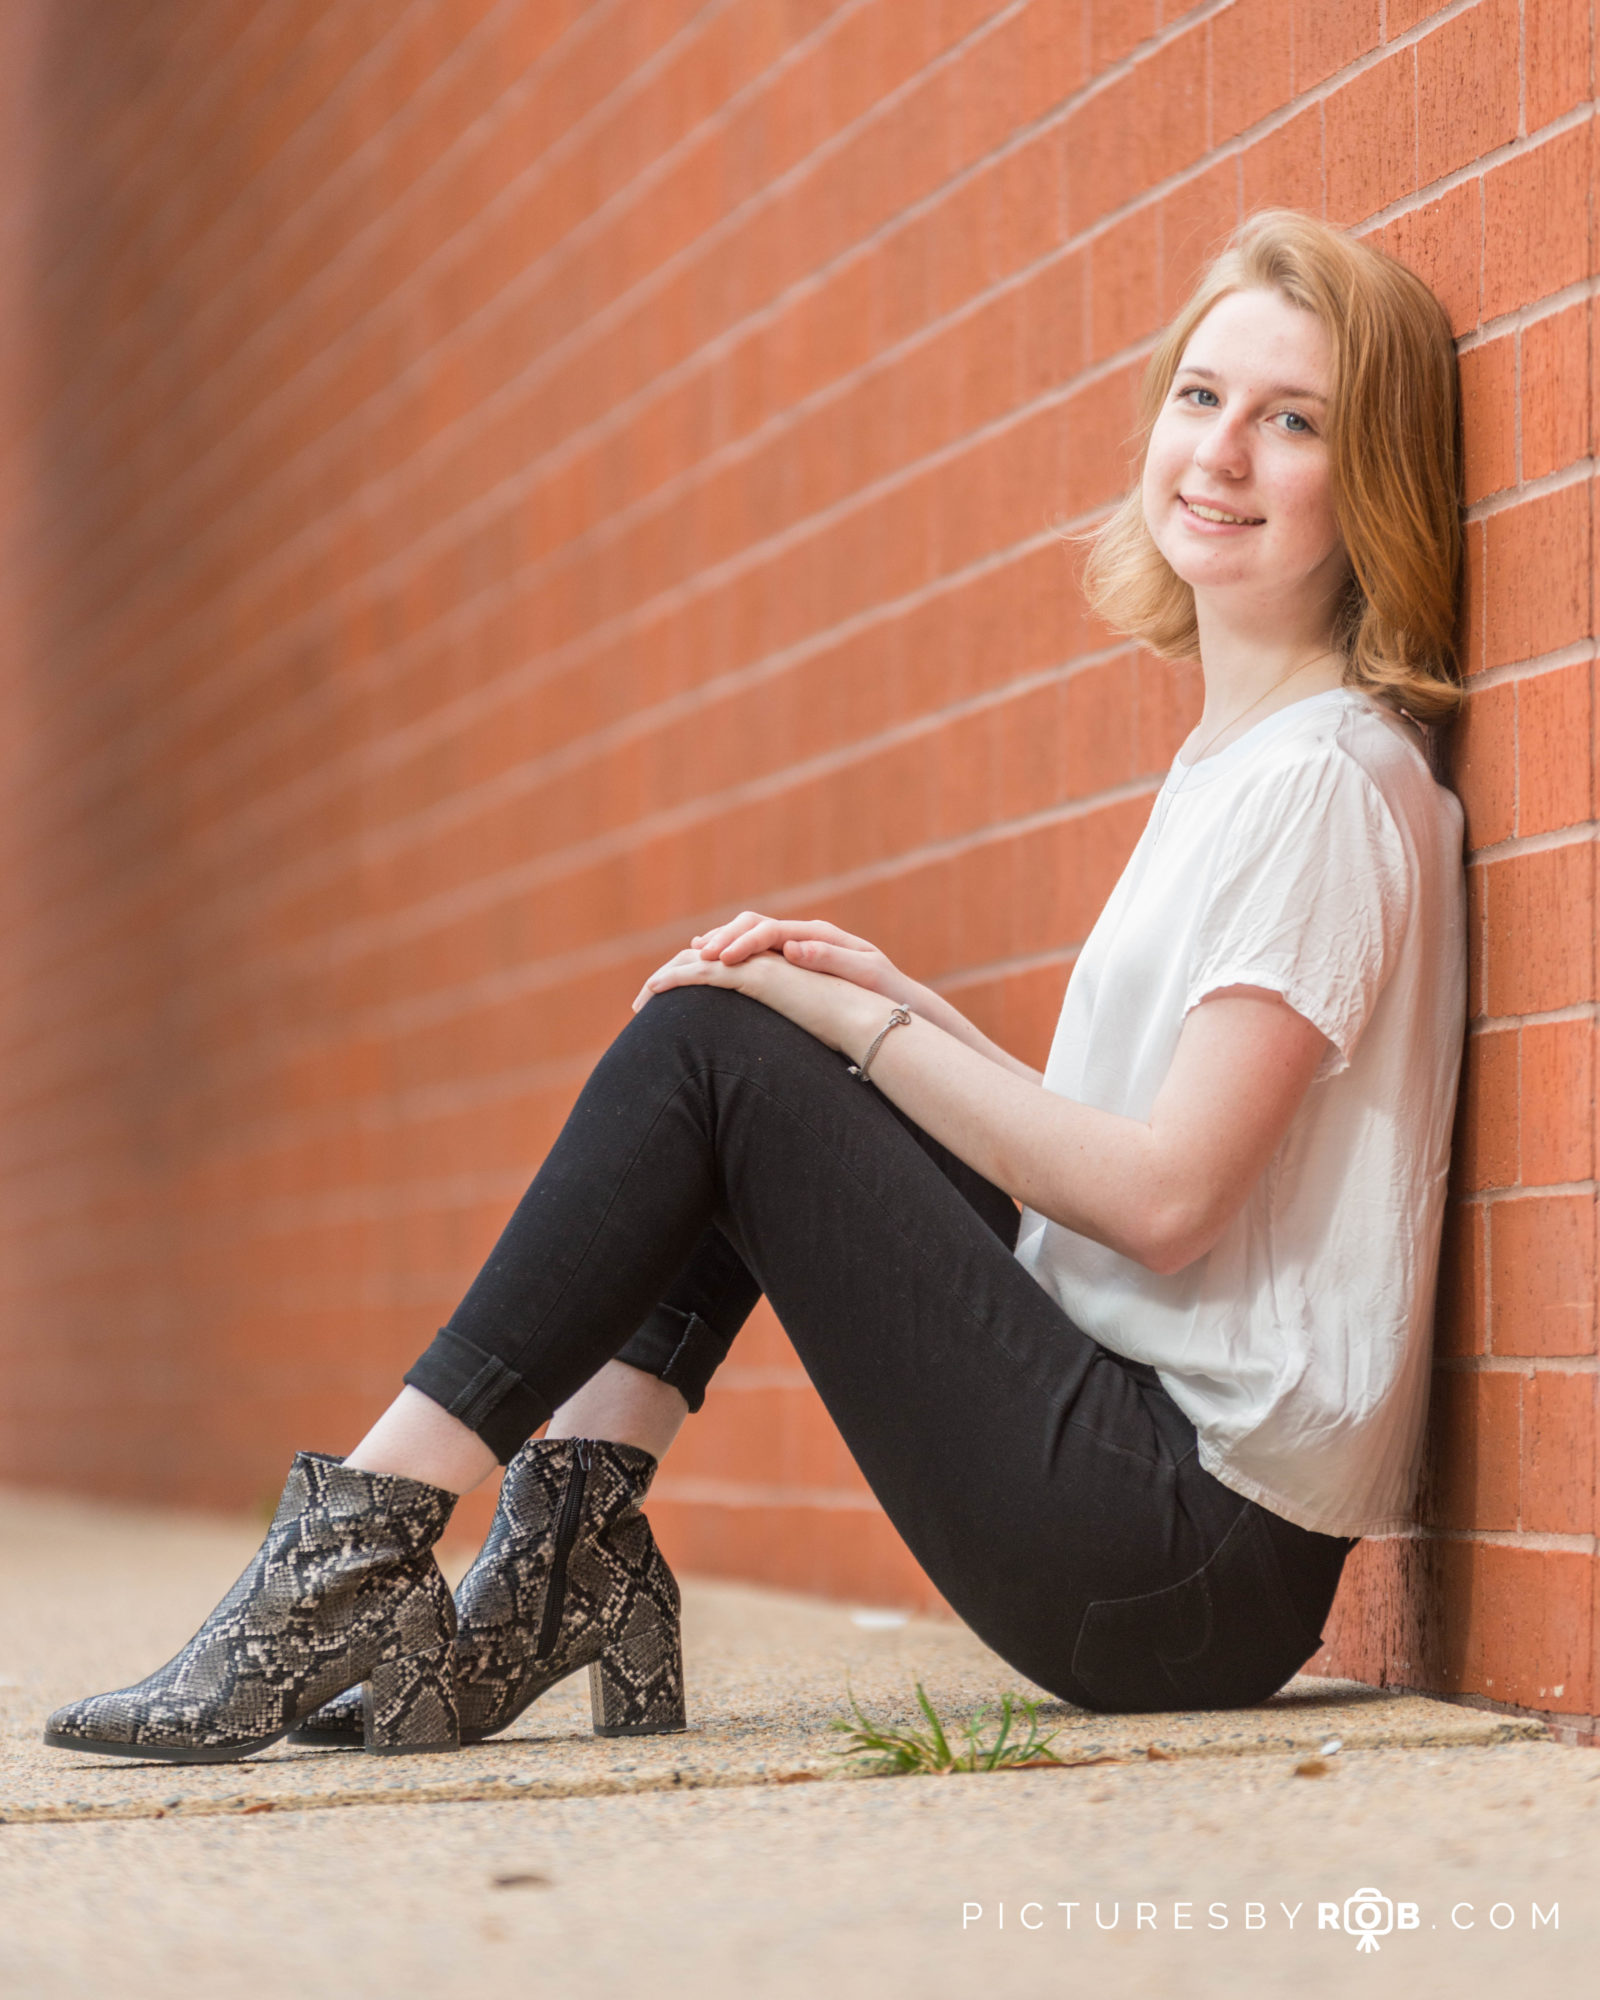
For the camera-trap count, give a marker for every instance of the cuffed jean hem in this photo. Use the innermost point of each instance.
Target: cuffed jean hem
(678, 1348)
(480, 1390)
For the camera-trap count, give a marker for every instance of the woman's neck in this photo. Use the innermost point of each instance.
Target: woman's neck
(1250, 675)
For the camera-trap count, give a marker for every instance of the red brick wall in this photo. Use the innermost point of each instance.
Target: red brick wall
(502, 485)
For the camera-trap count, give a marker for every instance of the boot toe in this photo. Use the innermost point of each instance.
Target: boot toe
(98, 1718)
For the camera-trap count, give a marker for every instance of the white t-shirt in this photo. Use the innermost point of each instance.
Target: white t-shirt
(1317, 856)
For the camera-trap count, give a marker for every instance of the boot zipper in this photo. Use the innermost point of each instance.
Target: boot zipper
(566, 1531)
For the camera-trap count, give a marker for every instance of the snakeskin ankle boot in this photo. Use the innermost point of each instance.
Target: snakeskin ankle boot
(569, 1577)
(343, 1593)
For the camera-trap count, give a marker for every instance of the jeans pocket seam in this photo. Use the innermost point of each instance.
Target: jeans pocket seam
(1083, 1668)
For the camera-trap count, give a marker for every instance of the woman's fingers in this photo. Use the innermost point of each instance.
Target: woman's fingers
(867, 967)
(766, 934)
(809, 944)
(716, 940)
(741, 937)
(775, 933)
(754, 932)
(684, 968)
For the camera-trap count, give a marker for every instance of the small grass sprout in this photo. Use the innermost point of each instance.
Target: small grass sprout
(889, 1752)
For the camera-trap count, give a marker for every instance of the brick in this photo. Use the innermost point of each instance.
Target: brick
(1535, 232)
(1555, 754)
(1029, 759)
(1251, 71)
(1556, 1112)
(987, 363)
(1470, 623)
(1170, 694)
(1460, 1318)
(1473, 1457)
(1541, 1258)
(1442, 242)
(1558, 42)
(1328, 34)
(961, 257)
(1400, 16)
(1055, 324)
(903, 280)
(1485, 1154)
(1484, 764)
(1555, 362)
(1371, 139)
(1285, 168)
(1142, 127)
(1512, 1624)
(1558, 1454)
(1054, 54)
(1099, 728)
(1539, 920)
(1489, 417)
(1116, 28)
(1032, 1006)
(1098, 458)
(1025, 204)
(1537, 580)
(986, 91)
(1196, 221)
(1467, 88)
(1124, 283)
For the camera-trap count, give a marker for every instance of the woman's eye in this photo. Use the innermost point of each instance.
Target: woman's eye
(1297, 424)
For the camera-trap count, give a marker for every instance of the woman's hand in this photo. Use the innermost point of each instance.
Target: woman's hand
(808, 942)
(838, 1013)
(731, 952)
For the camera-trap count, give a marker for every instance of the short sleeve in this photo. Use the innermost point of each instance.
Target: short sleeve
(1309, 898)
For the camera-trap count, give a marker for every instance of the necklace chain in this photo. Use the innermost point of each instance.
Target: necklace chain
(1283, 681)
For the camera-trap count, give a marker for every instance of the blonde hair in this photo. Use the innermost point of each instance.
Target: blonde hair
(1394, 439)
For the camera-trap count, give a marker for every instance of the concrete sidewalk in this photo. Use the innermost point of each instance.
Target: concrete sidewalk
(745, 1856)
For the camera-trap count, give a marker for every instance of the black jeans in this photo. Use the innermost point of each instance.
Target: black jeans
(1051, 1490)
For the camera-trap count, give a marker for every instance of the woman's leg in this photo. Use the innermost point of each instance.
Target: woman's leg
(660, 1376)
(1033, 1475)
(641, 1397)
(623, 1404)
(414, 1430)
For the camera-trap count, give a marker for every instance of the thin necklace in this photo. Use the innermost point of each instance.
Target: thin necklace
(1283, 681)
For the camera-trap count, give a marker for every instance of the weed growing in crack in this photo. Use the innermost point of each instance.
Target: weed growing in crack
(889, 1752)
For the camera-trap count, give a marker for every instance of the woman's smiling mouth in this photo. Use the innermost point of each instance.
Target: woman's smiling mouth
(1203, 512)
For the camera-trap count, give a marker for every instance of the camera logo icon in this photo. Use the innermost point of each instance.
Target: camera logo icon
(1368, 1916)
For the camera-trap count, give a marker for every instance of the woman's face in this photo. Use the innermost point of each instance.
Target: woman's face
(1243, 432)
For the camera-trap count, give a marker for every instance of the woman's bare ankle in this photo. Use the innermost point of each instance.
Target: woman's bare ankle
(624, 1405)
(416, 1439)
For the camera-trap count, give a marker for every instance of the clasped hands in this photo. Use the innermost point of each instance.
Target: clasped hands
(832, 984)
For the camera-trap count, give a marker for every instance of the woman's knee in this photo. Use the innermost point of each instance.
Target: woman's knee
(711, 1019)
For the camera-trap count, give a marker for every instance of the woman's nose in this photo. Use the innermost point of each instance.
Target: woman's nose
(1223, 449)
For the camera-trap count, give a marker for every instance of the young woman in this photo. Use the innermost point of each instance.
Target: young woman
(1132, 1433)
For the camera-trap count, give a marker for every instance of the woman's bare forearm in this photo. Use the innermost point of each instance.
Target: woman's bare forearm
(942, 1013)
(1159, 1190)
(1095, 1172)
(820, 946)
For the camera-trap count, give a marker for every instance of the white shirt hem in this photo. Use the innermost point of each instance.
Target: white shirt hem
(1292, 1510)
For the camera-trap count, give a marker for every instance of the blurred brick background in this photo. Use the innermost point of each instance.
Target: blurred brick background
(490, 488)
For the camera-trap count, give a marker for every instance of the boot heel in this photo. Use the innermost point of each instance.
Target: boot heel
(409, 1704)
(636, 1689)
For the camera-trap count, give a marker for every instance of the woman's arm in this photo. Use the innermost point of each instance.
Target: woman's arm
(823, 947)
(1161, 1191)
